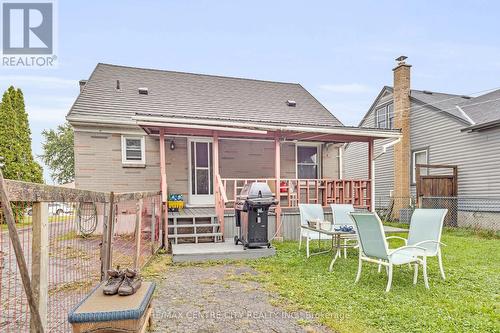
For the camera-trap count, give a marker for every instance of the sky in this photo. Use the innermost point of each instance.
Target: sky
(341, 51)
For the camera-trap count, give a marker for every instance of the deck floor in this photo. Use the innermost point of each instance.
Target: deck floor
(193, 212)
(217, 251)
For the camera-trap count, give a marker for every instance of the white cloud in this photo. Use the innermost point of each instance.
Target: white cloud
(348, 88)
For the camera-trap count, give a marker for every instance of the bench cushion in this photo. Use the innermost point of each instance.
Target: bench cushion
(97, 307)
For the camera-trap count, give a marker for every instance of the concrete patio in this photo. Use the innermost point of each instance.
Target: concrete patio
(199, 252)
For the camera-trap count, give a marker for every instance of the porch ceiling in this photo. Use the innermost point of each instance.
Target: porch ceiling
(256, 130)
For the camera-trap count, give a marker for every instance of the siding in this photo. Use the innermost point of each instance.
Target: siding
(98, 162)
(477, 155)
(356, 158)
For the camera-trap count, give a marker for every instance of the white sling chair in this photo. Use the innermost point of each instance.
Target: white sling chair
(425, 231)
(340, 213)
(311, 212)
(373, 248)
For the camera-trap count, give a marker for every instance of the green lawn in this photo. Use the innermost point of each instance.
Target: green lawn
(468, 301)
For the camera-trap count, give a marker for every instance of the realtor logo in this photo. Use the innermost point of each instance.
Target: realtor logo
(28, 29)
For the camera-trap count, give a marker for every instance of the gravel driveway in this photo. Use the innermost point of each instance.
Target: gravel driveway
(220, 298)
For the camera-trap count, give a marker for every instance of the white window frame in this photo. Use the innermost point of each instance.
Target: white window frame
(383, 110)
(318, 162)
(414, 164)
(142, 161)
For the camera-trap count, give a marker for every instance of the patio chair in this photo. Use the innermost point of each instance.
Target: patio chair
(425, 231)
(374, 248)
(340, 213)
(310, 212)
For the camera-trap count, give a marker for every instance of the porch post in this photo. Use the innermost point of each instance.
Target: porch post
(371, 174)
(277, 175)
(219, 209)
(163, 186)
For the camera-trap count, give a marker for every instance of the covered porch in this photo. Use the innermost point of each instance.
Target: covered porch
(212, 185)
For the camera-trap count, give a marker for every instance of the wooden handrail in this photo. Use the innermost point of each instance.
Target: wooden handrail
(323, 191)
(222, 189)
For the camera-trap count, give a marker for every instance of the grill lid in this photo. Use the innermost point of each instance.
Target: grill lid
(255, 190)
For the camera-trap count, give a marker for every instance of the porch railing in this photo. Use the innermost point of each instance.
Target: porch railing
(291, 192)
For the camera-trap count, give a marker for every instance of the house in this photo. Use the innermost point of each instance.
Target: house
(437, 128)
(205, 136)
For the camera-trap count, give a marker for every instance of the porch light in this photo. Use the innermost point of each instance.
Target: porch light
(172, 145)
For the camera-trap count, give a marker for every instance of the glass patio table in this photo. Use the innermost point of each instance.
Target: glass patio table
(337, 236)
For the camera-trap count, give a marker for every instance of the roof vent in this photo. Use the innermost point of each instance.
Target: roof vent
(143, 91)
(466, 97)
(427, 92)
(82, 84)
(117, 84)
(291, 103)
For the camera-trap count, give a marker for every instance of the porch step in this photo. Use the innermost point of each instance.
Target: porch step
(216, 235)
(194, 225)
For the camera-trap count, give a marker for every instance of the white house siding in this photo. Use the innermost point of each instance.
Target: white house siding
(355, 160)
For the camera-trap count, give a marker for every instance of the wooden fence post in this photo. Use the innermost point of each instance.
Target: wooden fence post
(40, 259)
(153, 225)
(138, 228)
(107, 236)
(18, 250)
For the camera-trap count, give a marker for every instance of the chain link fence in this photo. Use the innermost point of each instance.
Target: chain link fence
(75, 247)
(480, 213)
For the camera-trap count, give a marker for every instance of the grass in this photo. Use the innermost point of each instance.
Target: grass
(467, 301)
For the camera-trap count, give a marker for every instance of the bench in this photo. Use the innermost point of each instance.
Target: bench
(103, 313)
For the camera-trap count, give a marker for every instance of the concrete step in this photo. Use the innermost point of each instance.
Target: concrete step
(216, 251)
(209, 234)
(193, 225)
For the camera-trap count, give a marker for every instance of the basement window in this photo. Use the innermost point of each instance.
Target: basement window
(133, 150)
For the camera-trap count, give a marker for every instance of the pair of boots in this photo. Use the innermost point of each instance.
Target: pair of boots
(122, 282)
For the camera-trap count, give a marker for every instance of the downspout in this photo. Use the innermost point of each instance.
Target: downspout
(372, 176)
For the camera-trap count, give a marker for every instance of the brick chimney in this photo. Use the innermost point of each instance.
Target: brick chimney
(402, 150)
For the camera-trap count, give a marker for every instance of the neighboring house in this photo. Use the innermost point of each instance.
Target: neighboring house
(202, 135)
(440, 129)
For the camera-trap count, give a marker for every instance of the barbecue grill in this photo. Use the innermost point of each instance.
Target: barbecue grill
(251, 214)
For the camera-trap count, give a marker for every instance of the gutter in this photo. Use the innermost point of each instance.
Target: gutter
(328, 130)
(482, 127)
(466, 116)
(387, 145)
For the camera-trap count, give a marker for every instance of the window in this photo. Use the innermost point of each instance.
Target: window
(384, 116)
(390, 116)
(308, 162)
(419, 157)
(380, 117)
(133, 150)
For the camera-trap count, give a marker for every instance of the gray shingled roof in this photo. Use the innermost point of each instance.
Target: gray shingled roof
(177, 94)
(445, 102)
(484, 108)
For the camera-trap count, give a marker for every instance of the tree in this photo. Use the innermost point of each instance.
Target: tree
(59, 154)
(15, 139)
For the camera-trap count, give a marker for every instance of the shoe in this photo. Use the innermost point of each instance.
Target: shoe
(115, 279)
(131, 282)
